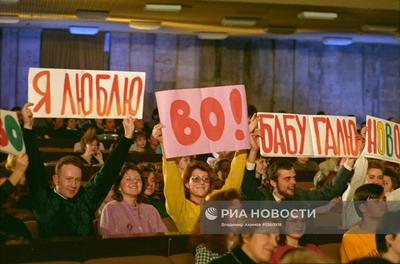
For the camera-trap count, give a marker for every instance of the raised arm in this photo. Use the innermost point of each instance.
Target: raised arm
(250, 184)
(35, 173)
(174, 190)
(238, 165)
(106, 176)
(21, 163)
(339, 185)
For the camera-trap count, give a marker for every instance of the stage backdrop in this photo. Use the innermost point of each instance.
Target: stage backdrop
(295, 76)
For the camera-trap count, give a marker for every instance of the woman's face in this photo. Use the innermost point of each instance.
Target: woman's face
(151, 184)
(131, 184)
(260, 247)
(295, 227)
(92, 147)
(387, 184)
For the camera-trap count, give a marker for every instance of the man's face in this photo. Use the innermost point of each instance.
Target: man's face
(376, 208)
(68, 181)
(285, 184)
(109, 124)
(374, 175)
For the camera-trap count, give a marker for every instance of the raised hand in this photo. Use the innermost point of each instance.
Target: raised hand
(157, 133)
(254, 139)
(21, 162)
(253, 123)
(129, 127)
(27, 115)
(99, 156)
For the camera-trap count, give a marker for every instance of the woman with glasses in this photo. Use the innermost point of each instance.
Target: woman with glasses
(197, 179)
(127, 214)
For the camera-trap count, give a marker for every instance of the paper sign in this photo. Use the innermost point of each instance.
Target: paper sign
(292, 135)
(85, 94)
(382, 139)
(203, 120)
(11, 139)
(334, 136)
(284, 135)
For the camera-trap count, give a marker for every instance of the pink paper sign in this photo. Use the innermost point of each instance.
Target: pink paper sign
(203, 120)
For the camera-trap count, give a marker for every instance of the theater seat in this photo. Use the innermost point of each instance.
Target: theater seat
(55, 262)
(184, 258)
(170, 224)
(32, 225)
(331, 251)
(148, 259)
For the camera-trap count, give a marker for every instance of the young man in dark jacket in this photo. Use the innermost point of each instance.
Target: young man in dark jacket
(69, 209)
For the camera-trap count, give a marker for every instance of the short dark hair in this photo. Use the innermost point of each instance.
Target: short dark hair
(374, 164)
(66, 160)
(279, 164)
(365, 192)
(139, 134)
(196, 164)
(393, 176)
(388, 225)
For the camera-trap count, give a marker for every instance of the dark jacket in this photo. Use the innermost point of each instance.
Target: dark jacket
(59, 217)
(235, 256)
(252, 191)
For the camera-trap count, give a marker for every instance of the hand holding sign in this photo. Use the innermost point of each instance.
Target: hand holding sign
(27, 115)
(129, 127)
(203, 120)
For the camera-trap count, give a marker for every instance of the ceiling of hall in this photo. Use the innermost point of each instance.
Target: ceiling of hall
(206, 15)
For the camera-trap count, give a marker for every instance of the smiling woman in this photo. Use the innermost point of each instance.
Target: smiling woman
(127, 214)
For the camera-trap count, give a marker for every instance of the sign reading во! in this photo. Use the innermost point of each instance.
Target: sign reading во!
(85, 94)
(383, 139)
(203, 120)
(11, 140)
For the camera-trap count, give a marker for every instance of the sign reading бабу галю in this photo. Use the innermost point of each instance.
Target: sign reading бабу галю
(293, 135)
(85, 93)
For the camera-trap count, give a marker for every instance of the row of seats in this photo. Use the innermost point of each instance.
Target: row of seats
(185, 258)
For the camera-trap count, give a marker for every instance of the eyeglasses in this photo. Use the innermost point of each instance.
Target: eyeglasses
(198, 179)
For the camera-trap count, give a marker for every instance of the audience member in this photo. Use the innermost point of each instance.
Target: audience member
(388, 237)
(139, 142)
(68, 210)
(92, 155)
(11, 227)
(257, 247)
(213, 246)
(303, 256)
(127, 214)
(88, 132)
(197, 179)
(293, 237)
(152, 197)
(359, 240)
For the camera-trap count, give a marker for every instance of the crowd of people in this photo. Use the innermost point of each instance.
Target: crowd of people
(129, 199)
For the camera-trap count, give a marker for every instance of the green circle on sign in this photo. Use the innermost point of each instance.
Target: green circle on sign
(15, 138)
